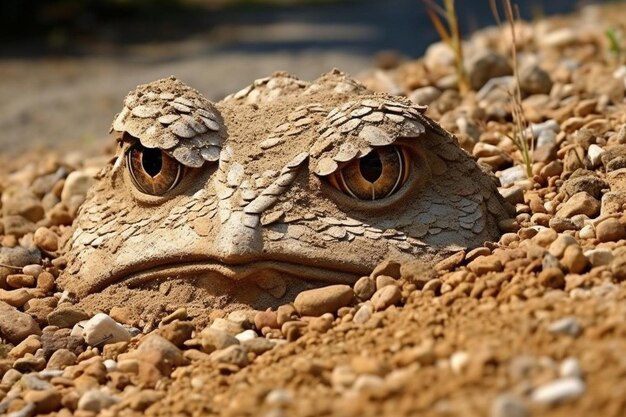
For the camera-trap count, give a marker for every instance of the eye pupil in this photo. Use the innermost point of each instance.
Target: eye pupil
(152, 161)
(153, 171)
(371, 167)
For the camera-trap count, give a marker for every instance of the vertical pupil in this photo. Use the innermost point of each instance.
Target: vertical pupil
(371, 166)
(152, 161)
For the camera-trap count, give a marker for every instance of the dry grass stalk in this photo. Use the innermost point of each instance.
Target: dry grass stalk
(450, 35)
(522, 135)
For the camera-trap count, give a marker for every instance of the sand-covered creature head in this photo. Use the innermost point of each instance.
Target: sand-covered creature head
(283, 185)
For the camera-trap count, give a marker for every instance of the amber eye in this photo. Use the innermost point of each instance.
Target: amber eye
(152, 170)
(377, 175)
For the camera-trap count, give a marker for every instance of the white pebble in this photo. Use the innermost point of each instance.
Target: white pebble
(570, 368)
(557, 391)
(197, 382)
(595, 153)
(587, 232)
(246, 335)
(566, 325)
(549, 125)
(458, 361)
(33, 270)
(102, 329)
(279, 397)
(96, 400)
(511, 175)
(110, 364)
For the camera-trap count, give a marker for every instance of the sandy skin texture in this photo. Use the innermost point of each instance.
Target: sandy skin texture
(531, 324)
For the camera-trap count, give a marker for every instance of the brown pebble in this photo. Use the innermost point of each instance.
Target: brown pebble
(386, 296)
(293, 330)
(610, 230)
(384, 280)
(234, 355)
(327, 299)
(177, 332)
(46, 401)
(574, 259)
(15, 298)
(322, 323)
(20, 280)
(16, 326)
(485, 264)
(28, 345)
(552, 278)
(387, 267)
(285, 313)
(266, 318)
(450, 262)
(113, 350)
(364, 288)
(67, 316)
(475, 253)
(545, 237)
(579, 203)
(45, 282)
(61, 359)
(45, 239)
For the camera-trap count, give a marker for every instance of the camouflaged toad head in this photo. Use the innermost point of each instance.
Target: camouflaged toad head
(284, 182)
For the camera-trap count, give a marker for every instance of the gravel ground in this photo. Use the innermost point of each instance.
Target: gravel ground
(531, 325)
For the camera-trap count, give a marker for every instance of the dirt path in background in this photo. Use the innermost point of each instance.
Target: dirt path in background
(65, 103)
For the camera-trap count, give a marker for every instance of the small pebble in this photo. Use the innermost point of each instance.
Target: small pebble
(323, 300)
(102, 329)
(96, 401)
(278, 397)
(386, 297)
(458, 361)
(570, 367)
(566, 325)
(45, 239)
(213, 339)
(364, 288)
(610, 230)
(33, 270)
(246, 335)
(558, 391)
(234, 355)
(363, 314)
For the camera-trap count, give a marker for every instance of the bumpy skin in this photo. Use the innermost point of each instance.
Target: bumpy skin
(255, 204)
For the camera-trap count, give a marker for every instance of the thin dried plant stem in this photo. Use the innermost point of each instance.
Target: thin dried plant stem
(451, 36)
(521, 127)
(457, 46)
(10, 266)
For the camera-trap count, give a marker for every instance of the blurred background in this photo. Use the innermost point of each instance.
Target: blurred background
(65, 65)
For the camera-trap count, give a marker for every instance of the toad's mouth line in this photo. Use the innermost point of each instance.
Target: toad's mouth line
(336, 274)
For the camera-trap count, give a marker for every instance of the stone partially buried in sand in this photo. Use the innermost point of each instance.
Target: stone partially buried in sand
(323, 300)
